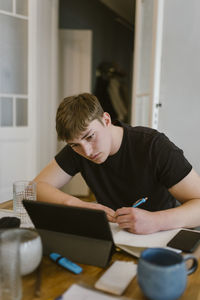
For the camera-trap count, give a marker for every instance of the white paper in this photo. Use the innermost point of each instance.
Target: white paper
(6, 213)
(135, 251)
(82, 293)
(158, 239)
(117, 277)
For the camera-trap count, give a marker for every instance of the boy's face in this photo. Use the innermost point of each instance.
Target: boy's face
(95, 143)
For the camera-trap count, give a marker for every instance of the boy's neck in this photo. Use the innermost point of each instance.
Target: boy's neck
(117, 136)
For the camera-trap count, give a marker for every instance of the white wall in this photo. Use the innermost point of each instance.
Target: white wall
(179, 116)
(46, 78)
(75, 78)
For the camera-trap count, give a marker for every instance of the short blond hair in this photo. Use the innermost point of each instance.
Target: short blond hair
(75, 113)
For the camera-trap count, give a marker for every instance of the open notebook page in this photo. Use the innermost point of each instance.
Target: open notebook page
(81, 293)
(158, 239)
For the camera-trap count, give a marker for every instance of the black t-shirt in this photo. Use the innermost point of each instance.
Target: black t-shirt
(146, 165)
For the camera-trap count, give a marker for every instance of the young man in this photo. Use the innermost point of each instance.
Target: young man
(121, 164)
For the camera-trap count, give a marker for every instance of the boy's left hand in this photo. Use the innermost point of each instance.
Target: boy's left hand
(136, 220)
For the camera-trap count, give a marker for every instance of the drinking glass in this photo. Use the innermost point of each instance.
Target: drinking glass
(23, 190)
(10, 278)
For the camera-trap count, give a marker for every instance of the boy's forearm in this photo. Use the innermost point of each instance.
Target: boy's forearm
(48, 193)
(140, 221)
(186, 215)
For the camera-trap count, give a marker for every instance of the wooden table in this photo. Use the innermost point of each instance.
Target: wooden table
(55, 280)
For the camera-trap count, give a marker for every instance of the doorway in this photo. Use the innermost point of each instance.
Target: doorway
(94, 40)
(112, 43)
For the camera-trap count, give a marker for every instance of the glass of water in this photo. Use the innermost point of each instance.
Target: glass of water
(23, 189)
(10, 278)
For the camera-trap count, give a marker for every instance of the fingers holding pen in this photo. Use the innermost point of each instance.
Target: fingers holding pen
(136, 220)
(124, 217)
(131, 218)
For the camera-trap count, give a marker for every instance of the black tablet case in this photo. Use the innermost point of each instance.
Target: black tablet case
(80, 234)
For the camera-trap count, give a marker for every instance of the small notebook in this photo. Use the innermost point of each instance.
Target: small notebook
(82, 293)
(134, 244)
(117, 277)
(6, 213)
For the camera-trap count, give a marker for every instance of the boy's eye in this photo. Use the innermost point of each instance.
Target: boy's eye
(90, 137)
(74, 145)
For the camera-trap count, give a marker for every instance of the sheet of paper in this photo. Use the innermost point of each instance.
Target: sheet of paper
(158, 239)
(81, 293)
(135, 251)
(117, 277)
(6, 213)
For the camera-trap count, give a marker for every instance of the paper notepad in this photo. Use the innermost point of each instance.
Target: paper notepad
(6, 213)
(117, 277)
(81, 293)
(135, 243)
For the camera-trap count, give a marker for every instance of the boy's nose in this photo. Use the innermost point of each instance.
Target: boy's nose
(87, 149)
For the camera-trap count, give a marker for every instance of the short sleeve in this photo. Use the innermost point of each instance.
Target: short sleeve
(68, 160)
(171, 166)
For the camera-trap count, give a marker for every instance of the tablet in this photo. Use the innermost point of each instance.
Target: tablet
(69, 219)
(81, 234)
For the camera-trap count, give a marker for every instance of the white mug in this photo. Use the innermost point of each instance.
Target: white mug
(30, 250)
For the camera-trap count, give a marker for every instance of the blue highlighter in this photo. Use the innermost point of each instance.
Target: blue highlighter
(66, 263)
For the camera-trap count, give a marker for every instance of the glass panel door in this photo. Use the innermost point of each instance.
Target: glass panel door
(13, 63)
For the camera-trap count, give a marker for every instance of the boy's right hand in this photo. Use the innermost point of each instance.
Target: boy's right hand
(110, 213)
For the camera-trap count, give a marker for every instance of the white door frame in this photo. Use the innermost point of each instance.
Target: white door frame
(147, 114)
(43, 78)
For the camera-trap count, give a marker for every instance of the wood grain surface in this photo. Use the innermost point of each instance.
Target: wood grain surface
(53, 280)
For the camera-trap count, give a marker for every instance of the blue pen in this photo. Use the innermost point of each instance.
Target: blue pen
(140, 201)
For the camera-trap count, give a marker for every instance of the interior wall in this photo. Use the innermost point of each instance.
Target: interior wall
(124, 8)
(75, 78)
(112, 40)
(179, 115)
(46, 78)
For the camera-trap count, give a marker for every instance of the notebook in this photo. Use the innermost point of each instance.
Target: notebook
(134, 244)
(83, 293)
(67, 228)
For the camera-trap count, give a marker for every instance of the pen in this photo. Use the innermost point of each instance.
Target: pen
(140, 201)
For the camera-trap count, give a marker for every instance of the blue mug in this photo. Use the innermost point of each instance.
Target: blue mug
(162, 273)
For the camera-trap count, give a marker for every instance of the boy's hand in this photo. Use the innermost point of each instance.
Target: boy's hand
(110, 213)
(136, 220)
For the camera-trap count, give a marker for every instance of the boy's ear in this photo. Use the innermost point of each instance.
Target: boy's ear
(106, 119)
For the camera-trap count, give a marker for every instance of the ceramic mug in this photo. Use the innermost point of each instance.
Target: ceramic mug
(30, 250)
(162, 273)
